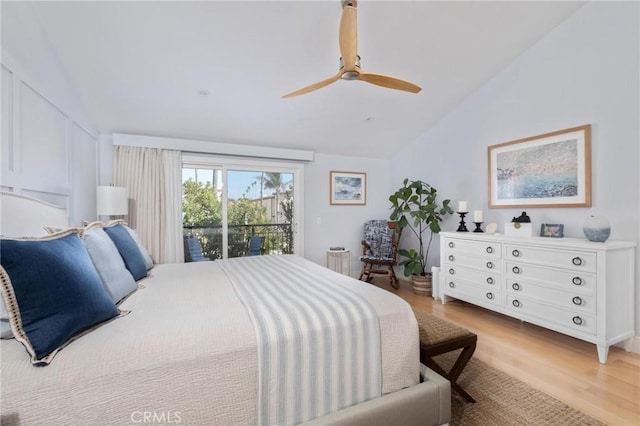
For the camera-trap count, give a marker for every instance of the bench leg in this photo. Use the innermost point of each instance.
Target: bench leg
(467, 351)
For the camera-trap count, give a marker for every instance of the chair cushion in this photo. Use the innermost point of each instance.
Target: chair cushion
(195, 250)
(379, 237)
(434, 330)
(377, 259)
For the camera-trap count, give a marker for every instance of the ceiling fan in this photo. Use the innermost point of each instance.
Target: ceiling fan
(350, 61)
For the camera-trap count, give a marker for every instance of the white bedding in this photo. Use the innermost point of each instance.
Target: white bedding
(185, 354)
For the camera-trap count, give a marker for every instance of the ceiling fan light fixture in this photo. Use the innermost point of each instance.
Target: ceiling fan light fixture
(350, 61)
(353, 74)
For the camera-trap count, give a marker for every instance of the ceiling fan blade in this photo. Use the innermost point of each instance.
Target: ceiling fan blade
(349, 35)
(314, 86)
(389, 82)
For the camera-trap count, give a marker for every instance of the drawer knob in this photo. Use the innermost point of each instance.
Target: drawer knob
(516, 303)
(451, 257)
(451, 245)
(515, 286)
(577, 300)
(516, 270)
(452, 271)
(577, 320)
(516, 253)
(490, 280)
(489, 249)
(490, 296)
(576, 280)
(451, 284)
(576, 261)
(490, 265)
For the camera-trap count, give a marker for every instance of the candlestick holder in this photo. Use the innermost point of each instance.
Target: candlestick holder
(462, 227)
(478, 229)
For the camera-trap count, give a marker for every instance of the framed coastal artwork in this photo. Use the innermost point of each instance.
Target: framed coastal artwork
(348, 188)
(549, 170)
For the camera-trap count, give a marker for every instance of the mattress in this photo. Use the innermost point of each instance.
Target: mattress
(185, 354)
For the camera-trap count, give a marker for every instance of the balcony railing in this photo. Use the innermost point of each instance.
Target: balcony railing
(277, 239)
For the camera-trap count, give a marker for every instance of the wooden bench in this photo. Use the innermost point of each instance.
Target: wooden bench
(438, 336)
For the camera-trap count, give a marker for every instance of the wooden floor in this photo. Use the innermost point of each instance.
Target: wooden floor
(559, 365)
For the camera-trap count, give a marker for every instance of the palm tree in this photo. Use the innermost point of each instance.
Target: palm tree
(273, 181)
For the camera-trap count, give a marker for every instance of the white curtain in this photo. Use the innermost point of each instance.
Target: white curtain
(154, 179)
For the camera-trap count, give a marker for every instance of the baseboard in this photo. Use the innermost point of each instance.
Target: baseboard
(631, 345)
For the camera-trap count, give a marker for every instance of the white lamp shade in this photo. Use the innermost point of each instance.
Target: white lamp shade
(112, 200)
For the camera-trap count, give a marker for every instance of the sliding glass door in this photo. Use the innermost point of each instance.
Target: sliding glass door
(239, 208)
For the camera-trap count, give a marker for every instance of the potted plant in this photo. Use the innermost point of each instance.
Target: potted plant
(415, 206)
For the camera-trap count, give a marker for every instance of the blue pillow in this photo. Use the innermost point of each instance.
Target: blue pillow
(52, 292)
(128, 249)
(148, 262)
(117, 280)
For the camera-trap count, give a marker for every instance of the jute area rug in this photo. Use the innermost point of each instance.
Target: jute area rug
(502, 400)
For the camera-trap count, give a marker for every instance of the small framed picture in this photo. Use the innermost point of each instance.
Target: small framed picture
(553, 230)
(348, 188)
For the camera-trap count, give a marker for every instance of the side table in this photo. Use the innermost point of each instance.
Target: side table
(337, 260)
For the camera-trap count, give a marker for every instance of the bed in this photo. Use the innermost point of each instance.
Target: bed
(191, 350)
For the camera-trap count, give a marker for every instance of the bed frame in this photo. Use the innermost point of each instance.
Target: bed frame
(427, 403)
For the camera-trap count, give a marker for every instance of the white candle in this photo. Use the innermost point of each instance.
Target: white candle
(477, 215)
(462, 207)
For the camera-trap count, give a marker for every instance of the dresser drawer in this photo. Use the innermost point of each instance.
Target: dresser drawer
(464, 290)
(454, 260)
(568, 280)
(576, 300)
(457, 273)
(476, 248)
(572, 319)
(569, 259)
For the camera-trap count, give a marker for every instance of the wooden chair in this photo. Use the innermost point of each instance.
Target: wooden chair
(379, 250)
(439, 336)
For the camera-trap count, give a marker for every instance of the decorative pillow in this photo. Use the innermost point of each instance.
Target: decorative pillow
(52, 229)
(128, 249)
(5, 329)
(5, 326)
(148, 262)
(52, 292)
(115, 277)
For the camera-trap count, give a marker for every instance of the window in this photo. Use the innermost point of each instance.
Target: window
(227, 202)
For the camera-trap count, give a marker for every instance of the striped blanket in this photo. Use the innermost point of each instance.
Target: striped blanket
(318, 342)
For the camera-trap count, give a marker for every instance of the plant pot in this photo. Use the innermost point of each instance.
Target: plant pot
(422, 284)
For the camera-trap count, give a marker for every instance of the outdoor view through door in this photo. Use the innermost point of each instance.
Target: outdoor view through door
(255, 216)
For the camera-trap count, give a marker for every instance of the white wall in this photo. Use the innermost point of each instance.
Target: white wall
(329, 225)
(585, 71)
(49, 148)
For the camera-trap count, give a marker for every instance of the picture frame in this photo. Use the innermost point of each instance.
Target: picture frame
(552, 230)
(548, 170)
(347, 188)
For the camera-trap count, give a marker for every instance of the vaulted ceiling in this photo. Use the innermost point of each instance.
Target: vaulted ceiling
(216, 70)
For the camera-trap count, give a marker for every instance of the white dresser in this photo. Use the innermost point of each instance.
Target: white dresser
(570, 285)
